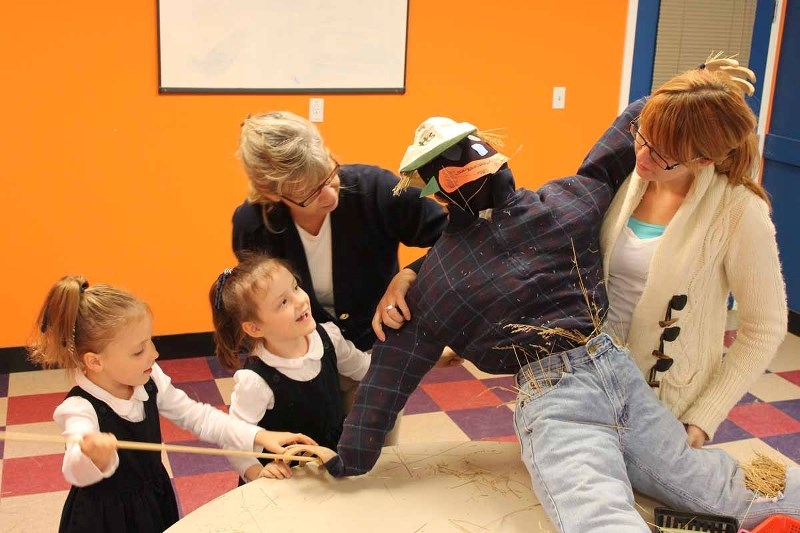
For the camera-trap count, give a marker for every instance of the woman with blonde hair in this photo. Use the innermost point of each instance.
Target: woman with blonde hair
(338, 226)
(688, 227)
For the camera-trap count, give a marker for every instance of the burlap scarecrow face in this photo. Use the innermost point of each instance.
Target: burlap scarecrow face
(466, 161)
(446, 155)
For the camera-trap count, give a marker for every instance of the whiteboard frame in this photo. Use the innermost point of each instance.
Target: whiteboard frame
(180, 89)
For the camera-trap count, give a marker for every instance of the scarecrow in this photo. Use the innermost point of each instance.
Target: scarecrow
(514, 286)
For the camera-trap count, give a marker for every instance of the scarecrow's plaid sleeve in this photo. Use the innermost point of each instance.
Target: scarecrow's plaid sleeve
(611, 160)
(396, 369)
(482, 275)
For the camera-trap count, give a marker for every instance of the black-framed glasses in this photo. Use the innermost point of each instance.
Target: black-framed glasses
(659, 159)
(316, 192)
(670, 334)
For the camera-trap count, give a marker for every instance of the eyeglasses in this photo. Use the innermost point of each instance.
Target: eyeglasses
(316, 192)
(670, 333)
(659, 159)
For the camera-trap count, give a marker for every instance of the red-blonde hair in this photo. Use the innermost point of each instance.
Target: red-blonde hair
(703, 114)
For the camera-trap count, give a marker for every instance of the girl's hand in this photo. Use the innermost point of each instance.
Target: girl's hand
(276, 470)
(100, 448)
(696, 436)
(392, 309)
(274, 441)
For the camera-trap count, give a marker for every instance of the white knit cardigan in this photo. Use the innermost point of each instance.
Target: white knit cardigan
(720, 240)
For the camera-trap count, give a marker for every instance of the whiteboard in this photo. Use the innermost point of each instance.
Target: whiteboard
(283, 46)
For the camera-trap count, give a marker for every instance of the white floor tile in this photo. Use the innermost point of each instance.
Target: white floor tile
(39, 382)
(774, 388)
(225, 386)
(30, 449)
(788, 356)
(36, 513)
(430, 427)
(745, 450)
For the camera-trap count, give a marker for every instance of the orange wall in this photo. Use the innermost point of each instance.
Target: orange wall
(103, 176)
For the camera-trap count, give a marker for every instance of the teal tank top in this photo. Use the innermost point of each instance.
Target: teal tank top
(643, 230)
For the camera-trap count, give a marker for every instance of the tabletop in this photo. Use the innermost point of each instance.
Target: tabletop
(474, 486)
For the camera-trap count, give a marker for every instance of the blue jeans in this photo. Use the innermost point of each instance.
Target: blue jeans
(591, 431)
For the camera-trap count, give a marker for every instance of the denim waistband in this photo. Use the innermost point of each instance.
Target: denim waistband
(594, 348)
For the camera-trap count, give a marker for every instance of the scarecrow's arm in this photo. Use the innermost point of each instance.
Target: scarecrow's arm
(612, 158)
(397, 367)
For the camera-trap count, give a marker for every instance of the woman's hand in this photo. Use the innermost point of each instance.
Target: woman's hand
(100, 448)
(274, 441)
(696, 436)
(392, 309)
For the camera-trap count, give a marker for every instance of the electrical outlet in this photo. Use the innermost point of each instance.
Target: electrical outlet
(559, 97)
(316, 109)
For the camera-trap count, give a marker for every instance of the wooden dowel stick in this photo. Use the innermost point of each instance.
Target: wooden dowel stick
(154, 447)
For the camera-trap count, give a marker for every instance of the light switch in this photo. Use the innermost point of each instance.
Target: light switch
(559, 97)
(316, 109)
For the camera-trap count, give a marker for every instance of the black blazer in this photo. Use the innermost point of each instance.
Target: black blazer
(367, 227)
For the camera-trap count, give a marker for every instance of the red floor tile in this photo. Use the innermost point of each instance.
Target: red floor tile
(33, 475)
(171, 432)
(195, 491)
(180, 370)
(793, 376)
(33, 408)
(461, 395)
(763, 420)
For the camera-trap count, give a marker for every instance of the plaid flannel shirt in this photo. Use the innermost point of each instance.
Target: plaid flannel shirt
(517, 267)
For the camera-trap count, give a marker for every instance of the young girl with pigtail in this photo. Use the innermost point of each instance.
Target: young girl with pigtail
(290, 381)
(105, 335)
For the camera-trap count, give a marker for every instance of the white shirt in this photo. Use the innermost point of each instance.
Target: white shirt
(627, 276)
(77, 417)
(319, 255)
(252, 397)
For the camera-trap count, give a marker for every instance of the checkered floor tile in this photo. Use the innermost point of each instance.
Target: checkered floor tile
(452, 404)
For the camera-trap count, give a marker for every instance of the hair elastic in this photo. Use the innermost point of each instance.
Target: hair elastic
(218, 304)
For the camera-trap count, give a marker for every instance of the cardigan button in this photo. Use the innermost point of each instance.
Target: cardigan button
(344, 316)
